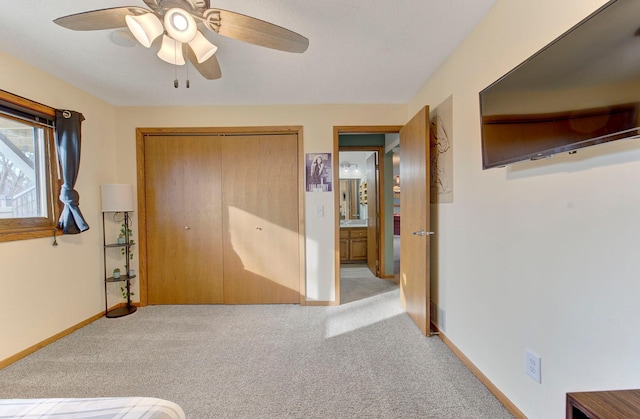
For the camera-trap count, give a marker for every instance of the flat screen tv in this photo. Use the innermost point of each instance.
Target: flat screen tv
(580, 90)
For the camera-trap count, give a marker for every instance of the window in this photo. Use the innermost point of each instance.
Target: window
(28, 180)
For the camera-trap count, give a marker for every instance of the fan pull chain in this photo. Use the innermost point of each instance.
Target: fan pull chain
(187, 65)
(176, 83)
(175, 64)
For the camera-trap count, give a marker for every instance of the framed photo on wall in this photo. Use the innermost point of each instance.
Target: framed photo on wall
(319, 173)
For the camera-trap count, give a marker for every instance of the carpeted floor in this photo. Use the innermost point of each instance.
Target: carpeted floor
(357, 283)
(364, 359)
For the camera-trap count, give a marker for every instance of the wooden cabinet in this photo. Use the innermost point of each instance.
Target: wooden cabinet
(353, 244)
(358, 248)
(344, 245)
(603, 404)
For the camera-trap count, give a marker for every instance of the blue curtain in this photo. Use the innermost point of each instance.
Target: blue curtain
(68, 148)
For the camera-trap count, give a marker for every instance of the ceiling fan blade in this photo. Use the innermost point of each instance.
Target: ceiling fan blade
(210, 69)
(255, 31)
(94, 20)
(192, 6)
(153, 5)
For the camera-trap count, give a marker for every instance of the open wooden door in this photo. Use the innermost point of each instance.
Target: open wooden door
(414, 222)
(373, 215)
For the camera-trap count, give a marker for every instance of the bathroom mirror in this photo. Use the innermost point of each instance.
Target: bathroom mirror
(349, 199)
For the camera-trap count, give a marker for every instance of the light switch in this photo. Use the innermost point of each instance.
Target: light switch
(319, 211)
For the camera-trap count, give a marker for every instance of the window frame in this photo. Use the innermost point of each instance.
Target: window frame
(12, 229)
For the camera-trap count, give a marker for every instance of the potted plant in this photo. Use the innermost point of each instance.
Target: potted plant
(125, 232)
(116, 273)
(123, 289)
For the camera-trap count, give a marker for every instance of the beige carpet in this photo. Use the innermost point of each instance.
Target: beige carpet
(357, 283)
(363, 359)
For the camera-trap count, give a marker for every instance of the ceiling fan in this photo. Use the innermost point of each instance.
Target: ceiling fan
(176, 22)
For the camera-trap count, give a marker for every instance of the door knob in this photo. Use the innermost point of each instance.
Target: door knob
(187, 228)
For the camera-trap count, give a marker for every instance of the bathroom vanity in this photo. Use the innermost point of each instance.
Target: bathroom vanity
(353, 241)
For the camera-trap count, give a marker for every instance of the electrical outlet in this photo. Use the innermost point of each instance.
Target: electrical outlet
(533, 366)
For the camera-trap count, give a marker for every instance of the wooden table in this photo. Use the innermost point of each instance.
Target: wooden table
(618, 404)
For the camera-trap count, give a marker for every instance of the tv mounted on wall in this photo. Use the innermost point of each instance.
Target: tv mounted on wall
(580, 90)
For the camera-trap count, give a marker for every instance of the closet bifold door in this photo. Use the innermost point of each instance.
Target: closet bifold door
(183, 216)
(260, 222)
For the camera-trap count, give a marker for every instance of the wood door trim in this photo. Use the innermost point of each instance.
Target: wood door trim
(301, 219)
(142, 217)
(142, 133)
(362, 129)
(285, 129)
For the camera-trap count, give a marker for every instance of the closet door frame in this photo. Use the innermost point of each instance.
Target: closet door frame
(141, 136)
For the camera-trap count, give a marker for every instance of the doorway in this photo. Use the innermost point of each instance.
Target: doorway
(359, 207)
(360, 213)
(364, 228)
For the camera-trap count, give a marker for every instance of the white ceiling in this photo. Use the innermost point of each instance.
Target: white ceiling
(360, 51)
(603, 49)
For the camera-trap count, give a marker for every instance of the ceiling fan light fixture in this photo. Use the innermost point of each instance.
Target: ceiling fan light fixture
(171, 51)
(180, 25)
(202, 48)
(146, 28)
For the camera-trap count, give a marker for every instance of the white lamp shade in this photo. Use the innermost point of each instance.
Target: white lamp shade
(146, 28)
(202, 48)
(180, 25)
(116, 197)
(171, 51)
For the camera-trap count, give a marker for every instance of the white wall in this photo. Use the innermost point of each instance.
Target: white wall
(47, 289)
(541, 256)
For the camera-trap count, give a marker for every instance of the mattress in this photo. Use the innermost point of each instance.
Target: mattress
(94, 408)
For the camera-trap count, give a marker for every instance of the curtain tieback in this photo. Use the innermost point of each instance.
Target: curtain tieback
(69, 196)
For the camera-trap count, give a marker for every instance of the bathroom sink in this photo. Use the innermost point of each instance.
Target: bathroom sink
(353, 223)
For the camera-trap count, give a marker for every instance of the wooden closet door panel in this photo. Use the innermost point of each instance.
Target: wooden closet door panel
(184, 219)
(260, 211)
